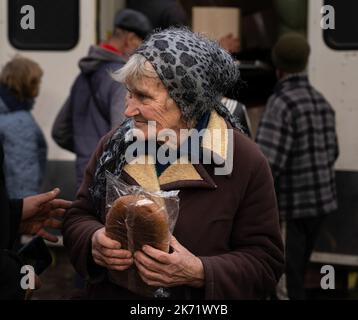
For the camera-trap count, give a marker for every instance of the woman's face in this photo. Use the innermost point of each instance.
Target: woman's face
(148, 100)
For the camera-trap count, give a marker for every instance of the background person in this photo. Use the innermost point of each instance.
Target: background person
(24, 144)
(298, 135)
(96, 102)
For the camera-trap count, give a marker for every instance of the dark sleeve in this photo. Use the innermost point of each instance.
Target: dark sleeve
(10, 212)
(81, 222)
(10, 263)
(62, 129)
(10, 276)
(331, 138)
(10, 216)
(15, 218)
(253, 267)
(41, 155)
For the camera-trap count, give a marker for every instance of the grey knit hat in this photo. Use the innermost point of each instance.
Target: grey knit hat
(195, 70)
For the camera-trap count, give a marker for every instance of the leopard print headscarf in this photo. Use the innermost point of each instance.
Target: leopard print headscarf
(196, 71)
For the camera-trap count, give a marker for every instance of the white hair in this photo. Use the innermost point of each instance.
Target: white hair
(135, 69)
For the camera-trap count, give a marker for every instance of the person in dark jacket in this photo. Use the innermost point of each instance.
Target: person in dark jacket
(297, 133)
(22, 139)
(226, 242)
(96, 102)
(29, 216)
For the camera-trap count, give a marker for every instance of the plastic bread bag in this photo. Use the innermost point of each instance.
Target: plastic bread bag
(136, 217)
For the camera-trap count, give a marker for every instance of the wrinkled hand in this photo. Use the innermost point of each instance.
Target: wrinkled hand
(230, 43)
(43, 210)
(108, 253)
(160, 269)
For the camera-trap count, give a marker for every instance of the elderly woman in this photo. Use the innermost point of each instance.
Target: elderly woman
(226, 243)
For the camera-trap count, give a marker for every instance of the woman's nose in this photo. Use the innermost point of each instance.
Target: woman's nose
(131, 109)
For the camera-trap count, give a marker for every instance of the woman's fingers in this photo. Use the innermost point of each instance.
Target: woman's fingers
(108, 253)
(107, 242)
(53, 223)
(98, 259)
(60, 204)
(119, 268)
(113, 263)
(117, 261)
(148, 274)
(149, 277)
(57, 213)
(120, 254)
(118, 258)
(158, 255)
(147, 261)
(47, 236)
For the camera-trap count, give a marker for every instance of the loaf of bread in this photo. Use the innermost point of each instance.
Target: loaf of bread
(135, 220)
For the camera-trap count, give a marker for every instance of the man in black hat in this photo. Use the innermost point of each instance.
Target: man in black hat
(297, 133)
(96, 102)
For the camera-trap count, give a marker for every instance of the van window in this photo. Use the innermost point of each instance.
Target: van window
(345, 34)
(43, 24)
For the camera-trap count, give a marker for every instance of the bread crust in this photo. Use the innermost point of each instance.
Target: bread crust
(146, 221)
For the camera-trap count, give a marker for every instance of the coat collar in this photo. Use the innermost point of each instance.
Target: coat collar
(292, 81)
(182, 174)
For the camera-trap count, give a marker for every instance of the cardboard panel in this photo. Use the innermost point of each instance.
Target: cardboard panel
(216, 22)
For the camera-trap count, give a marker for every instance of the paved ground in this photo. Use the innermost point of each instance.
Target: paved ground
(58, 281)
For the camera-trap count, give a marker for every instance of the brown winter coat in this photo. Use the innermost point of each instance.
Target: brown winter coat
(230, 222)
